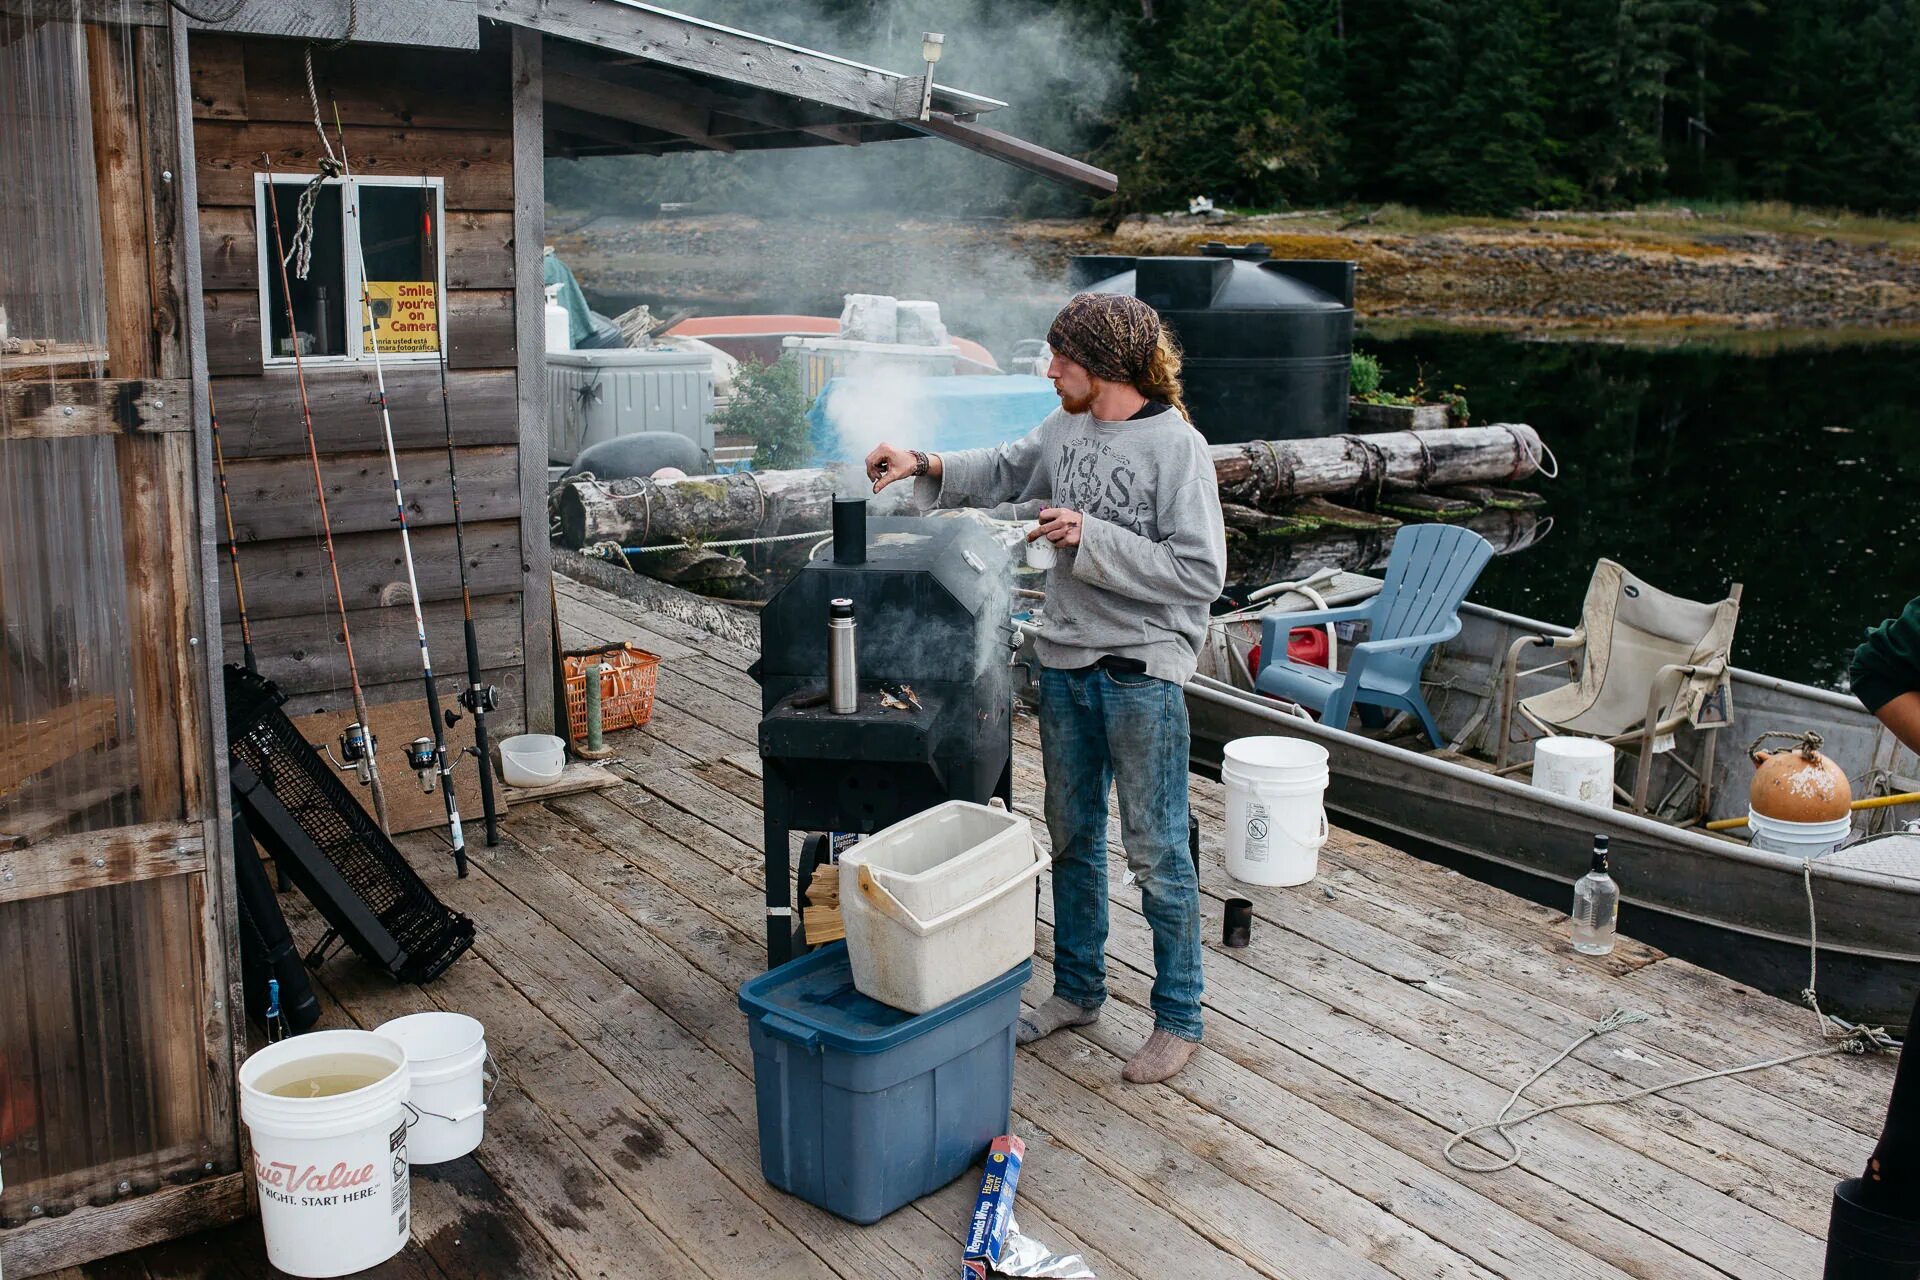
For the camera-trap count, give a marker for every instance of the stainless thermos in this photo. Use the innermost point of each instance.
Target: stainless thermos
(843, 670)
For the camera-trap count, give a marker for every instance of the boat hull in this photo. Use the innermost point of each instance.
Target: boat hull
(1738, 910)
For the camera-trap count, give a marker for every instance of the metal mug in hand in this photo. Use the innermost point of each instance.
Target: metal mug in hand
(843, 670)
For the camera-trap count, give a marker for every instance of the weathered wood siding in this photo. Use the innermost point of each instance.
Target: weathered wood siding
(411, 112)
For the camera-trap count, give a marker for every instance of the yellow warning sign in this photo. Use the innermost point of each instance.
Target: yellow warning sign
(405, 317)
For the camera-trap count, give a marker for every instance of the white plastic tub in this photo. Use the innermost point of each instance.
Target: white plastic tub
(532, 759)
(934, 906)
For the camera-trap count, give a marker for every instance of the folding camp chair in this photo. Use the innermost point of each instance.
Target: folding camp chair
(1647, 663)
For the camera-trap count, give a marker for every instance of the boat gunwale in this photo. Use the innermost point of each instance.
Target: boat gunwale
(1219, 692)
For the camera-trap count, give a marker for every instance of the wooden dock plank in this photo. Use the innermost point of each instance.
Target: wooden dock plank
(728, 941)
(568, 949)
(1679, 1151)
(1378, 1010)
(1554, 1221)
(1204, 1193)
(1684, 1134)
(1740, 1165)
(1610, 1176)
(632, 1154)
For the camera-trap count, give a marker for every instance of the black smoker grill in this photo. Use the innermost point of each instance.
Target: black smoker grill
(930, 600)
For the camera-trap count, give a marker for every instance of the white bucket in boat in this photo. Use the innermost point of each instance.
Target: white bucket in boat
(327, 1115)
(447, 1058)
(1799, 839)
(1577, 768)
(1276, 815)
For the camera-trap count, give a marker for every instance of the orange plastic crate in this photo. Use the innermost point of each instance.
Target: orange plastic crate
(626, 687)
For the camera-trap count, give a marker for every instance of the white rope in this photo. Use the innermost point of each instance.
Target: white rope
(331, 167)
(313, 97)
(1500, 1126)
(1838, 1036)
(1540, 459)
(1832, 1028)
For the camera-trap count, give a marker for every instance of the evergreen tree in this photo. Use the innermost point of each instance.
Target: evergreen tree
(1618, 61)
(1223, 113)
(1468, 127)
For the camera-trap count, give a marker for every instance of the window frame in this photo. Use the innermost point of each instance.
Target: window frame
(356, 353)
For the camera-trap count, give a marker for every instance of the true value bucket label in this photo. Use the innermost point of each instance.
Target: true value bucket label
(325, 1189)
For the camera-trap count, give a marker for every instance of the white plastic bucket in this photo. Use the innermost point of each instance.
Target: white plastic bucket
(1577, 768)
(331, 1171)
(447, 1058)
(1276, 811)
(933, 905)
(1799, 839)
(533, 759)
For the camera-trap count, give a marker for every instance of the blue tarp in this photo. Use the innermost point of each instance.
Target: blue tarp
(963, 412)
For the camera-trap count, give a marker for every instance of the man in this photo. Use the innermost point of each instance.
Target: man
(1134, 516)
(1886, 678)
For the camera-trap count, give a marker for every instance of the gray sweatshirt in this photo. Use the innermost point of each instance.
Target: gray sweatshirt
(1153, 550)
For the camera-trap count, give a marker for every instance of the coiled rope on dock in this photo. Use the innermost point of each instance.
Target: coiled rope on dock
(1837, 1037)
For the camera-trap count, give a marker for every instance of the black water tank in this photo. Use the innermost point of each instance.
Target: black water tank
(1267, 343)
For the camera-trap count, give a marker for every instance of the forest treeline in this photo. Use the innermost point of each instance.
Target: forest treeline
(1474, 106)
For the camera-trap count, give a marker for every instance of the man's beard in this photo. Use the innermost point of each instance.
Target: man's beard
(1074, 404)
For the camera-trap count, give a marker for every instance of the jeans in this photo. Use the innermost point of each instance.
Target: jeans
(1099, 729)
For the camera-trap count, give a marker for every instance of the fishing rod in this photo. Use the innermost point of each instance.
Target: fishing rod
(425, 757)
(357, 741)
(479, 699)
(233, 542)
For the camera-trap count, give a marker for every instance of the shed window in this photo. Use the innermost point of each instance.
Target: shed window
(382, 234)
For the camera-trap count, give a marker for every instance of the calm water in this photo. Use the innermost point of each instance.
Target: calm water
(1795, 472)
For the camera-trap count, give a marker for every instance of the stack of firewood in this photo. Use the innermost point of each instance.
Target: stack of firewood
(820, 918)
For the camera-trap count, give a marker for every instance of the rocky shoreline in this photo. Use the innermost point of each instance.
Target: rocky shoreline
(999, 279)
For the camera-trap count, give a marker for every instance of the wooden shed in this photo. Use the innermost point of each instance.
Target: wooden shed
(146, 147)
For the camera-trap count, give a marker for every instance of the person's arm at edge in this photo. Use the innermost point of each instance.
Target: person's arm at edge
(1885, 674)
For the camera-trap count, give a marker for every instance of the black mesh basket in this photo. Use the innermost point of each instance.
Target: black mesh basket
(297, 806)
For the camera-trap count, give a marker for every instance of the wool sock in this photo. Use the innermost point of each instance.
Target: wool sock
(1159, 1058)
(1054, 1013)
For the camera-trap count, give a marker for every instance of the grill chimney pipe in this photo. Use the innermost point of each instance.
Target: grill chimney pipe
(849, 530)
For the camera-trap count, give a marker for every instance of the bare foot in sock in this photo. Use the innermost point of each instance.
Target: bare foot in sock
(1054, 1013)
(1159, 1058)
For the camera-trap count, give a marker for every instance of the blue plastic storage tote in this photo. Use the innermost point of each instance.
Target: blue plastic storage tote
(864, 1108)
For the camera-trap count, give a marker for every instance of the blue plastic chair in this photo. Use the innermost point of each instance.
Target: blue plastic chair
(1432, 568)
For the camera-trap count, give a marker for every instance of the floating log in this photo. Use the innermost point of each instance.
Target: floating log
(727, 621)
(1262, 474)
(744, 504)
(1273, 473)
(1326, 514)
(1428, 506)
(1265, 524)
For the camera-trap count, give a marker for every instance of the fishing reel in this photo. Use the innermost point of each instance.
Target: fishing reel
(481, 699)
(423, 757)
(356, 752)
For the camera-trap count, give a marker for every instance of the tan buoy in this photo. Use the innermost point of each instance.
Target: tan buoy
(1797, 783)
